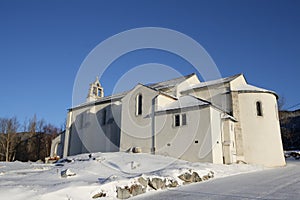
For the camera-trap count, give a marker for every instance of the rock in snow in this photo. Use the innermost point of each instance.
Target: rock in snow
(187, 177)
(136, 189)
(98, 195)
(143, 182)
(66, 172)
(157, 183)
(123, 193)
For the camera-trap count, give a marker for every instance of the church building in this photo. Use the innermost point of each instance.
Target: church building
(219, 121)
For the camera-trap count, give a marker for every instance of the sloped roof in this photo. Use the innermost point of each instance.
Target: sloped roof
(184, 102)
(241, 88)
(114, 97)
(251, 88)
(214, 82)
(169, 83)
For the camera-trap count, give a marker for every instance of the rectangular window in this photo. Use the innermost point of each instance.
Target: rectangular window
(259, 108)
(104, 117)
(180, 120)
(183, 119)
(139, 104)
(81, 120)
(177, 120)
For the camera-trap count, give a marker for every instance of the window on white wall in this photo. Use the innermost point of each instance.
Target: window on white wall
(259, 109)
(180, 120)
(139, 104)
(104, 117)
(183, 119)
(177, 120)
(81, 120)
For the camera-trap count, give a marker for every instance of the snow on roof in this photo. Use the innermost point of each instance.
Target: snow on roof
(113, 97)
(214, 82)
(251, 88)
(169, 83)
(155, 86)
(245, 88)
(184, 102)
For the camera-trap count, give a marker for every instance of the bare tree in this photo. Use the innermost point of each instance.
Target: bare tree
(63, 125)
(51, 132)
(33, 143)
(32, 124)
(25, 125)
(3, 131)
(281, 102)
(9, 128)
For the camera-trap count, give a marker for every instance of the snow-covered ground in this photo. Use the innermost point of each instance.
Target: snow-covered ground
(281, 183)
(101, 173)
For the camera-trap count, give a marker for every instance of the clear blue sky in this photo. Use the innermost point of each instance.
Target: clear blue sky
(43, 43)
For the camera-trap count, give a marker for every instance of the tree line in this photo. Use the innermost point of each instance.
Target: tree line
(290, 129)
(29, 141)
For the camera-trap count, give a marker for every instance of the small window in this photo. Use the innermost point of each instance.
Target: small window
(259, 108)
(104, 117)
(139, 104)
(196, 141)
(99, 92)
(177, 120)
(180, 120)
(183, 120)
(81, 120)
(94, 90)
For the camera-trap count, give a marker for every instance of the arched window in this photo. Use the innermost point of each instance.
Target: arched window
(259, 108)
(139, 104)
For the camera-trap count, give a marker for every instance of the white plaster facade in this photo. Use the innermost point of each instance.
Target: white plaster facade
(219, 121)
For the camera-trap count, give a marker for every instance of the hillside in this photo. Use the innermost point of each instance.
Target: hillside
(290, 129)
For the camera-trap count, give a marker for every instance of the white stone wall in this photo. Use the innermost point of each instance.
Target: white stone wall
(56, 146)
(136, 129)
(261, 134)
(162, 101)
(186, 84)
(216, 134)
(218, 95)
(196, 141)
(228, 140)
(89, 133)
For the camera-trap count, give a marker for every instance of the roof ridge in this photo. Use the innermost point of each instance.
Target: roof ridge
(214, 82)
(228, 78)
(180, 77)
(197, 98)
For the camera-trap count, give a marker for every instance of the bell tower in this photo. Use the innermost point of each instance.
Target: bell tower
(95, 91)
